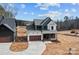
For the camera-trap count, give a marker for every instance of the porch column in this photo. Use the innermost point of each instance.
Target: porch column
(56, 36)
(35, 27)
(42, 27)
(42, 37)
(14, 37)
(28, 38)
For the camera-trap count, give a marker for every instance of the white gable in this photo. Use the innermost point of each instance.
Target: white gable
(51, 25)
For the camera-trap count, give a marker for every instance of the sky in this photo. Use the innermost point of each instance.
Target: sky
(30, 11)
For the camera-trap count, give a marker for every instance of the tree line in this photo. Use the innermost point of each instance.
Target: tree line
(68, 23)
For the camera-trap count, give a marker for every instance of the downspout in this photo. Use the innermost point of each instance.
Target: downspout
(15, 35)
(42, 34)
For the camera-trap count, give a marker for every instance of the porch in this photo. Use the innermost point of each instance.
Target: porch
(49, 35)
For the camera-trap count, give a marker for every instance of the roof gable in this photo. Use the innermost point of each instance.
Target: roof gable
(46, 21)
(9, 23)
(42, 22)
(37, 21)
(52, 23)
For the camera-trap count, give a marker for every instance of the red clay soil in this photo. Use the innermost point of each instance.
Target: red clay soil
(62, 47)
(18, 46)
(21, 31)
(21, 43)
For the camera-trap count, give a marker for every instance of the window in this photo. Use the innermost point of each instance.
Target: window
(38, 27)
(45, 27)
(52, 28)
(53, 35)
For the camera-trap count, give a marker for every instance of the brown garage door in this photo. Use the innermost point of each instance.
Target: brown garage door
(35, 38)
(5, 39)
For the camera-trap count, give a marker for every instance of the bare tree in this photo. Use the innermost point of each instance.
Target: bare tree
(10, 10)
(2, 11)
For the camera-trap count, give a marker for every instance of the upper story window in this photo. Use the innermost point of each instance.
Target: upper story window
(45, 27)
(38, 27)
(52, 28)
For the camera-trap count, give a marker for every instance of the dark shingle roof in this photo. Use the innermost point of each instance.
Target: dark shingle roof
(42, 21)
(23, 23)
(37, 21)
(9, 23)
(46, 20)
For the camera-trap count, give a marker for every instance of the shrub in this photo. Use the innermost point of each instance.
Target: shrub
(72, 31)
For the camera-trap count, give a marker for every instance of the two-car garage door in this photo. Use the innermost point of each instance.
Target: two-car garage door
(35, 38)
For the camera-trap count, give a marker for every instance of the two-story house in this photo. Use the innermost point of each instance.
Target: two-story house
(41, 30)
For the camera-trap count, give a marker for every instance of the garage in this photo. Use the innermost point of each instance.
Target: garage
(6, 35)
(35, 38)
(7, 29)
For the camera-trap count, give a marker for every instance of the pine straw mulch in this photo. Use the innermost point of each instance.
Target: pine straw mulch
(18, 46)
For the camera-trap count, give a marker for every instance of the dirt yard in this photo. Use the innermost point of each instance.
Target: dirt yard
(62, 47)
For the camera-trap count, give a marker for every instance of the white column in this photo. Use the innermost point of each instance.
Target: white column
(28, 37)
(14, 37)
(55, 36)
(54, 27)
(35, 27)
(42, 37)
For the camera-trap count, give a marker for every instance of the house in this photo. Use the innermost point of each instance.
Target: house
(41, 30)
(7, 29)
(36, 30)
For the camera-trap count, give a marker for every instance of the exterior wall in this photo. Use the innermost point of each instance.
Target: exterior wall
(34, 32)
(50, 25)
(48, 31)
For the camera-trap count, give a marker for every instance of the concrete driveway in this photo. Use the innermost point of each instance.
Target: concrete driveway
(34, 48)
